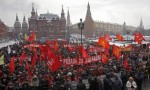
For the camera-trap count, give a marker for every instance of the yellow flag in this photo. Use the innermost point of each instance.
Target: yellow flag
(2, 60)
(25, 37)
(34, 37)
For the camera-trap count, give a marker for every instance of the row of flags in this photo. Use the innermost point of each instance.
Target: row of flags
(31, 38)
(53, 61)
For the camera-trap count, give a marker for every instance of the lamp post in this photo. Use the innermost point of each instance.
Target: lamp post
(81, 27)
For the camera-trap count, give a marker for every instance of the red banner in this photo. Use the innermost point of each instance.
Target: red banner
(126, 48)
(79, 61)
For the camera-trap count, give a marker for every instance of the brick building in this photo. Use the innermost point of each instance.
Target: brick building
(47, 25)
(3, 29)
(97, 28)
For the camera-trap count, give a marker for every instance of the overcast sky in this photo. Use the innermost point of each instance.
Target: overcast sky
(114, 11)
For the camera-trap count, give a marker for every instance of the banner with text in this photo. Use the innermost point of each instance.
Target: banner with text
(80, 61)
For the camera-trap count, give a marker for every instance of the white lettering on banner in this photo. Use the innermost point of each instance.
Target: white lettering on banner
(73, 61)
(50, 62)
(81, 61)
(70, 61)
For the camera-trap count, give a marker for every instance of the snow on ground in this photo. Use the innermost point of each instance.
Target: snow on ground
(4, 44)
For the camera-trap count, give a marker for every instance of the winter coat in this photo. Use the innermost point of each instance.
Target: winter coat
(131, 85)
(81, 86)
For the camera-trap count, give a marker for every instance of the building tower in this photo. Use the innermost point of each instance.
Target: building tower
(63, 22)
(68, 18)
(24, 26)
(124, 28)
(141, 27)
(33, 23)
(69, 27)
(89, 24)
(17, 26)
(3, 30)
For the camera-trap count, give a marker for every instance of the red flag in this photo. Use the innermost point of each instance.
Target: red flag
(107, 37)
(137, 38)
(69, 48)
(48, 42)
(126, 65)
(141, 36)
(43, 52)
(12, 65)
(116, 51)
(106, 51)
(56, 45)
(43, 56)
(32, 37)
(28, 68)
(22, 57)
(103, 42)
(50, 54)
(54, 64)
(104, 59)
(119, 37)
(34, 58)
(83, 52)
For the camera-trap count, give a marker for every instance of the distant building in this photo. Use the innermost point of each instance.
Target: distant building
(44, 25)
(97, 28)
(3, 29)
(89, 29)
(47, 25)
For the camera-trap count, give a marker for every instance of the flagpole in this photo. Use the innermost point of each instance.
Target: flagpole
(81, 27)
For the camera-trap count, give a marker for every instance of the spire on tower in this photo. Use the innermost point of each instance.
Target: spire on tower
(33, 7)
(24, 19)
(68, 18)
(141, 23)
(17, 17)
(88, 14)
(62, 11)
(124, 24)
(33, 13)
(36, 13)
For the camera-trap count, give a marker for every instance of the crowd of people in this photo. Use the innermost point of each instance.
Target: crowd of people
(74, 77)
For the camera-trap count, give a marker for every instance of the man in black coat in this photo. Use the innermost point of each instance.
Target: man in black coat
(107, 83)
(81, 85)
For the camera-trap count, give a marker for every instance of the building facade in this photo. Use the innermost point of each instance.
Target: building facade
(3, 29)
(47, 25)
(98, 28)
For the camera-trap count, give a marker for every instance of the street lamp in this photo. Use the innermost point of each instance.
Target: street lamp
(81, 27)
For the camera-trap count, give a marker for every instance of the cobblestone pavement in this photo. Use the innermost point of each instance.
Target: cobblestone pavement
(146, 85)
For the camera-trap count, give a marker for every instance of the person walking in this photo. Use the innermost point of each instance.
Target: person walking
(131, 84)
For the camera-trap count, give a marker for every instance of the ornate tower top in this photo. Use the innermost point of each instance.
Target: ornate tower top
(33, 13)
(33, 7)
(68, 18)
(88, 14)
(17, 20)
(24, 24)
(36, 13)
(141, 24)
(62, 13)
(17, 23)
(124, 24)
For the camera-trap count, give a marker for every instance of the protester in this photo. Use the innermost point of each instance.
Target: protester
(81, 85)
(32, 68)
(131, 84)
